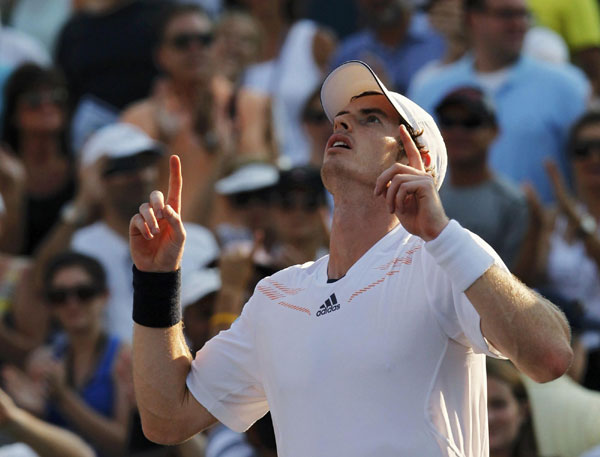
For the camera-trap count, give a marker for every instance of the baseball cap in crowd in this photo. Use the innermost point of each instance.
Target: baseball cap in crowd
(355, 77)
(247, 178)
(128, 147)
(197, 284)
(473, 99)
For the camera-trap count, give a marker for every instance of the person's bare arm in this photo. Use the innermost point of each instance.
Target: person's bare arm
(161, 358)
(526, 328)
(45, 439)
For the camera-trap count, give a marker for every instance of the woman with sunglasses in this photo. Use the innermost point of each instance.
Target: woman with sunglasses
(565, 243)
(83, 377)
(34, 127)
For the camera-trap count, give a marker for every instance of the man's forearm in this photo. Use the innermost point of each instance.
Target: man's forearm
(524, 326)
(161, 363)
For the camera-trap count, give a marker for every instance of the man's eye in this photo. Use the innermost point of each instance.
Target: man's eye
(372, 119)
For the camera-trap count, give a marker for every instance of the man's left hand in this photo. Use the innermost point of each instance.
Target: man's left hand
(411, 194)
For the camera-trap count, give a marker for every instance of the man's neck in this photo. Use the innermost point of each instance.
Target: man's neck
(358, 223)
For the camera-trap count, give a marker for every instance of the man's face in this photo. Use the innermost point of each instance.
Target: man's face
(500, 27)
(467, 135)
(364, 142)
(185, 52)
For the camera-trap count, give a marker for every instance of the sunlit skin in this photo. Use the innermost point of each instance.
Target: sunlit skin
(369, 125)
(505, 416)
(76, 316)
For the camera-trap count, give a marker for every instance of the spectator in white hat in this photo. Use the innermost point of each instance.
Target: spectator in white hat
(378, 348)
(119, 164)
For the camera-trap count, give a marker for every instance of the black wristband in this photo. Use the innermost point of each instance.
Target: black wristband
(156, 298)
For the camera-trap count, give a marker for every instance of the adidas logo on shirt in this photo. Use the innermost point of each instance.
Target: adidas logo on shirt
(330, 305)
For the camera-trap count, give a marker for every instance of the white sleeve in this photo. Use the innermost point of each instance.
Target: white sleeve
(225, 375)
(454, 311)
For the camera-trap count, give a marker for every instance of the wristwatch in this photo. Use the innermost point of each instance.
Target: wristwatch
(587, 225)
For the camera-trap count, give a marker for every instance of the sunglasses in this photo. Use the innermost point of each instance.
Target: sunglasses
(584, 149)
(315, 116)
(35, 99)
(468, 123)
(183, 41)
(82, 293)
(245, 199)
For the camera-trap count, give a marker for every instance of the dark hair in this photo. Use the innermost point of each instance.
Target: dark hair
(173, 11)
(504, 371)
(588, 118)
(23, 79)
(70, 259)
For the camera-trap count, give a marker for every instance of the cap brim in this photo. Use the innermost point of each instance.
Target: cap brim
(350, 79)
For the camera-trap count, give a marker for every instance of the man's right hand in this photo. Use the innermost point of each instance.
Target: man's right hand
(156, 233)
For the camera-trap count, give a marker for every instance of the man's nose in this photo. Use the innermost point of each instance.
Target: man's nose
(341, 123)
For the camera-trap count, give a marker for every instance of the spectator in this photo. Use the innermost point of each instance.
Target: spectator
(511, 429)
(245, 196)
(77, 375)
(297, 54)
(578, 22)
(105, 50)
(568, 249)
(475, 196)
(398, 41)
(536, 101)
(238, 44)
(35, 437)
(188, 109)
(35, 126)
(300, 216)
(119, 165)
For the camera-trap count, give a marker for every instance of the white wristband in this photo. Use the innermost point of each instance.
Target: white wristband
(461, 257)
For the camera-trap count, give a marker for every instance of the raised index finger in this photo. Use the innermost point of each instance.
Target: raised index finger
(175, 184)
(411, 150)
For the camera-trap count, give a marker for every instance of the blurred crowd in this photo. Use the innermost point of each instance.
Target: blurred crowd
(97, 94)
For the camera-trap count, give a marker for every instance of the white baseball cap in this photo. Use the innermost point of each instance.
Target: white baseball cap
(117, 140)
(355, 77)
(197, 284)
(253, 176)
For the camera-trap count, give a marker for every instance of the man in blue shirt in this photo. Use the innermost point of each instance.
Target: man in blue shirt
(397, 42)
(536, 102)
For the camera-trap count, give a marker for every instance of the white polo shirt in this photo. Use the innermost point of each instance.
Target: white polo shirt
(387, 361)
